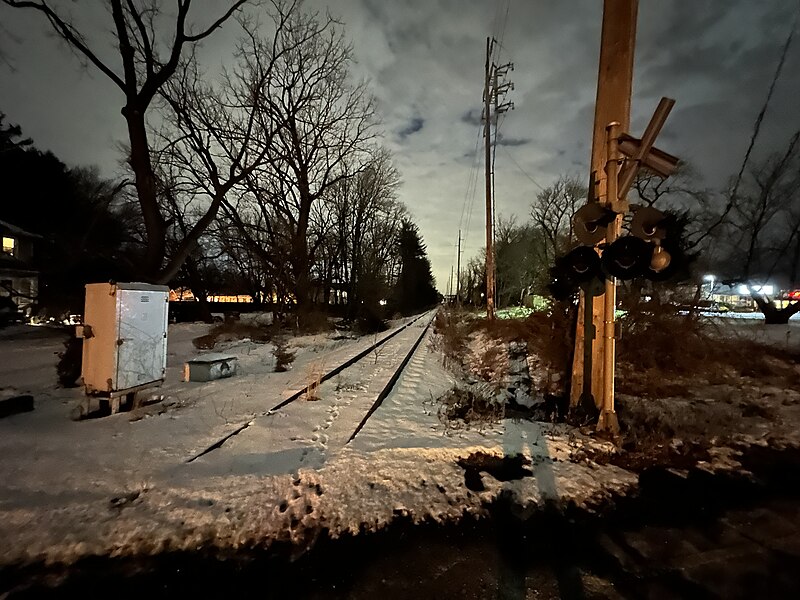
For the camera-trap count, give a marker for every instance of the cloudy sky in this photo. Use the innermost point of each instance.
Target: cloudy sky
(425, 60)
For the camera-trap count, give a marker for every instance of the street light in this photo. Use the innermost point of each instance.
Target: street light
(710, 279)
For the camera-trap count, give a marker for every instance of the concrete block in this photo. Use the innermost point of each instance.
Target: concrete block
(209, 367)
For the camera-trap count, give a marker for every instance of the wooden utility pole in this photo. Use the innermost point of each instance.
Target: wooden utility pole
(458, 270)
(487, 138)
(450, 286)
(613, 103)
(492, 91)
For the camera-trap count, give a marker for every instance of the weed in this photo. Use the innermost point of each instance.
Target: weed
(662, 352)
(205, 342)
(755, 409)
(451, 331)
(492, 364)
(283, 358)
(233, 329)
(314, 377)
(548, 337)
(378, 349)
(465, 407)
(312, 321)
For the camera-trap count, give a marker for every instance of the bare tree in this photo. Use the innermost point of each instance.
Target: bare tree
(325, 130)
(367, 219)
(515, 248)
(552, 212)
(221, 133)
(551, 225)
(763, 230)
(146, 63)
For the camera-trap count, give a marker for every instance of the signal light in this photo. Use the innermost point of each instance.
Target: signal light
(649, 224)
(660, 259)
(578, 267)
(626, 258)
(590, 222)
(580, 264)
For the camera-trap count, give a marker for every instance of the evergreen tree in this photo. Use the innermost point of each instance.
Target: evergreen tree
(84, 235)
(415, 287)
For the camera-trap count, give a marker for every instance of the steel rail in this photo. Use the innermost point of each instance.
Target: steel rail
(332, 373)
(390, 385)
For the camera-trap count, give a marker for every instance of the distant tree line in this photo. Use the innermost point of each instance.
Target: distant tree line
(85, 223)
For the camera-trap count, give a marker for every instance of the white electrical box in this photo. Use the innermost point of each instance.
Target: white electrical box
(124, 337)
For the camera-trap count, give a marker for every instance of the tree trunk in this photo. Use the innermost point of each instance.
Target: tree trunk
(302, 281)
(154, 225)
(199, 290)
(772, 314)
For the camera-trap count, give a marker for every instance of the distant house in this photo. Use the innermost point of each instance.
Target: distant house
(19, 279)
(185, 294)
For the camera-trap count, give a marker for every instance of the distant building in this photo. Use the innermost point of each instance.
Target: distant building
(184, 294)
(19, 279)
(734, 297)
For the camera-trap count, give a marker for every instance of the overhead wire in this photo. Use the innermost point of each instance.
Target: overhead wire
(756, 130)
(470, 193)
(497, 37)
(521, 170)
(500, 121)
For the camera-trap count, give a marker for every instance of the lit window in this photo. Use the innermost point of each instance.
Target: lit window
(9, 244)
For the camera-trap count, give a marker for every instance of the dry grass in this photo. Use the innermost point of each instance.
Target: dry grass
(467, 407)
(492, 364)
(233, 329)
(237, 330)
(307, 322)
(549, 334)
(663, 353)
(314, 377)
(452, 329)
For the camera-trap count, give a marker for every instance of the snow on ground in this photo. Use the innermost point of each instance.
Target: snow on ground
(752, 326)
(122, 485)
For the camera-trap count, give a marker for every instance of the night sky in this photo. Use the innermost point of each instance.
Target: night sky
(425, 60)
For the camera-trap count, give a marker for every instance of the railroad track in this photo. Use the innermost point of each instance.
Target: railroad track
(385, 390)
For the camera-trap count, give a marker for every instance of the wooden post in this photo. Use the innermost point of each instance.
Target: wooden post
(608, 416)
(613, 104)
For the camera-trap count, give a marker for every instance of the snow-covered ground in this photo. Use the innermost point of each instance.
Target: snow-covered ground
(125, 484)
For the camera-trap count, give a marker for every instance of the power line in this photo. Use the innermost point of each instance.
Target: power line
(505, 22)
(472, 183)
(756, 129)
(523, 171)
(762, 112)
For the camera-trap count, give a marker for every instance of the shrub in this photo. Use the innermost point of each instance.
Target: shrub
(283, 358)
(452, 333)
(69, 362)
(462, 407)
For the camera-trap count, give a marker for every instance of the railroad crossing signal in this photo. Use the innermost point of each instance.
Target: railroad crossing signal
(641, 153)
(641, 253)
(597, 226)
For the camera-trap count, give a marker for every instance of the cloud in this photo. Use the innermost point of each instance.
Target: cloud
(474, 116)
(503, 140)
(412, 127)
(425, 62)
